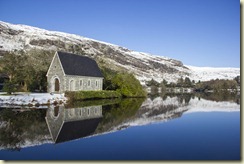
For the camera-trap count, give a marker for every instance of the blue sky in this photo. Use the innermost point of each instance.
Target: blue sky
(197, 32)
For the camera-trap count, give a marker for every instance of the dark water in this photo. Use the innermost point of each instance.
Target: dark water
(176, 127)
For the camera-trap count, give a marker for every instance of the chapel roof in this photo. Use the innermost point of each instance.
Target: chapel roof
(71, 130)
(79, 65)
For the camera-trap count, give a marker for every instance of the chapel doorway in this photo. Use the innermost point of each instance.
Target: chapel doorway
(56, 111)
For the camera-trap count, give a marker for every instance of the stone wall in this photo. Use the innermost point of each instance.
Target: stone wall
(83, 113)
(77, 83)
(55, 72)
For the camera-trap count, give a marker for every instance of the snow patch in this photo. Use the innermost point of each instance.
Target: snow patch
(33, 99)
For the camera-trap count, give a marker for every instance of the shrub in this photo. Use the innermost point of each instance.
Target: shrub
(9, 87)
(128, 85)
(123, 82)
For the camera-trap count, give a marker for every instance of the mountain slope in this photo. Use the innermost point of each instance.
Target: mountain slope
(143, 65)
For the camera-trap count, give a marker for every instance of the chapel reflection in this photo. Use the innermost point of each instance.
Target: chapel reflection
(66, 124)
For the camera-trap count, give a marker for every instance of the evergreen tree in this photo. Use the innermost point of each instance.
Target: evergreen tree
(13, 66)
(163, 86)
(152, 82)
(187, 82)
(180, 82)
(26, 70)
(165, 82)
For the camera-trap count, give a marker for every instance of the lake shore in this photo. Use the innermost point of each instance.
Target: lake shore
(31, 99)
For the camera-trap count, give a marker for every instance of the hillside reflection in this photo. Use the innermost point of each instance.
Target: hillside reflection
(23, 128)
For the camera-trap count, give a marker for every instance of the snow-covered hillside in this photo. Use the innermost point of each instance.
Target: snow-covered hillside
(143, 65)
(208, 73)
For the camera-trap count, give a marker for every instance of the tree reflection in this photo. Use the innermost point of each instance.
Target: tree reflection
(17, 127)
(220, 96)
(115, 114)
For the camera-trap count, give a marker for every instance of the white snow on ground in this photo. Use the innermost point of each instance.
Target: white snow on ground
(208, 73)
(31, 99)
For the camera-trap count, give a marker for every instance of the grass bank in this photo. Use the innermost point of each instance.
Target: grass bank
(85, 103)
(89, 95)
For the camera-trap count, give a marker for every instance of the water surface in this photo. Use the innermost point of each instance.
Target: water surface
(173, 127)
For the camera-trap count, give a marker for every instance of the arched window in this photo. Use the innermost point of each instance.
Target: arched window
(71, 85)
(88, 112)
(81, 84)
(81, 111)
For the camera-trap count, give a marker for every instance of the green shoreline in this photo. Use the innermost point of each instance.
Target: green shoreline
(93, 95)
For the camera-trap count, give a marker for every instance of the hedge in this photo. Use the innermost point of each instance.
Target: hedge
(86, 95)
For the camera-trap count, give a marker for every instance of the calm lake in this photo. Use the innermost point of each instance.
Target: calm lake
(172, 127)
